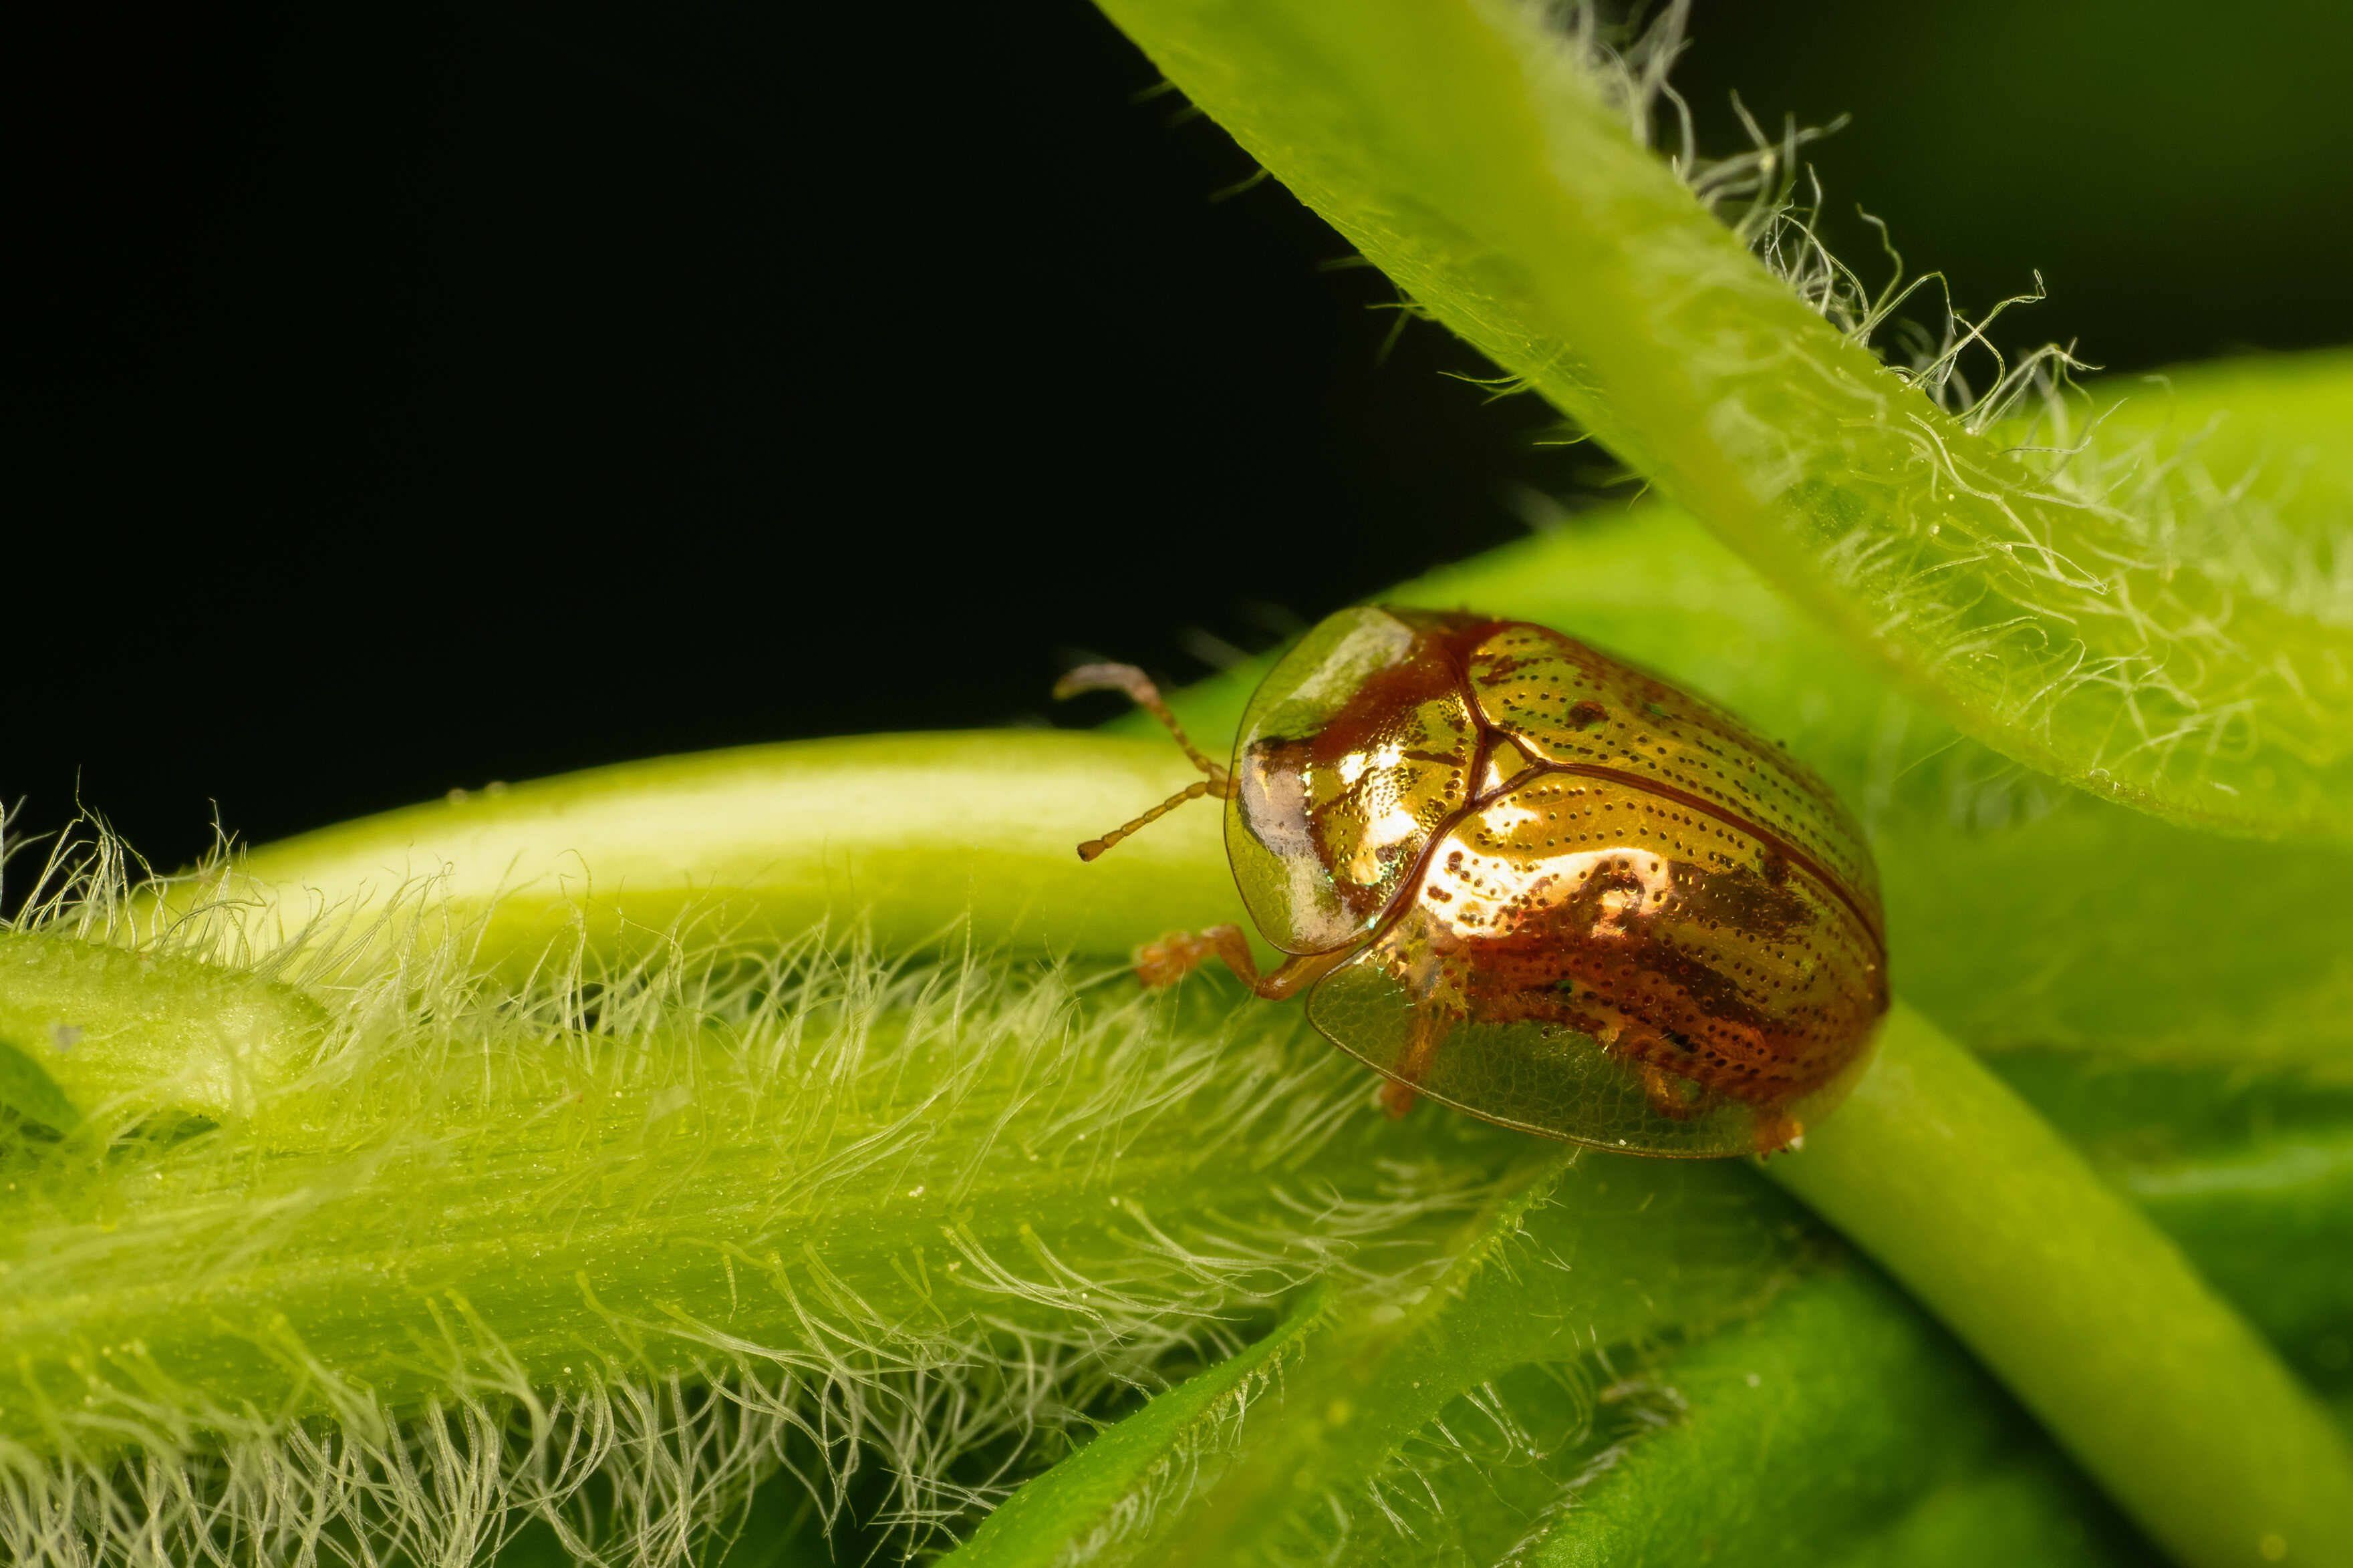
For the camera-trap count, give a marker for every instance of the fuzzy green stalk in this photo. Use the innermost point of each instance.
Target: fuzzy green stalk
(648, 1239)
(2089, 1313)
(1092, 1484)
(804, 1171)
(1934, 1167)
(755, 844)
(1489, 164)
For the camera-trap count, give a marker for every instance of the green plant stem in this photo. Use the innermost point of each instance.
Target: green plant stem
(1057, 1518)
(915, 833)
(2090, 1314)
(851, 1175)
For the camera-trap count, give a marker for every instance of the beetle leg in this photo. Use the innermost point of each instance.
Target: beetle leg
(1666, 1090)
(1776, 1130)
(1177, 954)
(1430, 1025)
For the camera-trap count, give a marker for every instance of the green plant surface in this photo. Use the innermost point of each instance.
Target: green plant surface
(1860, 1422)
(833, 1182)
(1102, 1495)
(2088, 1313)
(1572, 1254)
(2280, 417)
(121, 1034)
(1492, 168)
(27, 1089)
(764, 1154)
(1839, 1408)
(667, 1196)
(757, 844)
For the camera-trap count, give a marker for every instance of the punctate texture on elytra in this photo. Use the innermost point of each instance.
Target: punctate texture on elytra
(1588, 904)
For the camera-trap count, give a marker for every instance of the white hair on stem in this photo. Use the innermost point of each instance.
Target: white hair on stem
(709, 1102)
(2171, 546)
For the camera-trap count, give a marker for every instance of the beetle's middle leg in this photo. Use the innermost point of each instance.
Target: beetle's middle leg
(1177, 954)
(1669, 1093)
(1429, 1027)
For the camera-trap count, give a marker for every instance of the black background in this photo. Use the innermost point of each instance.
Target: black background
(400, 398)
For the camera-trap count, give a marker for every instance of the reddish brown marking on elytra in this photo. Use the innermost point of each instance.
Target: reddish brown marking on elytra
(1434, 670)
(1774, 843)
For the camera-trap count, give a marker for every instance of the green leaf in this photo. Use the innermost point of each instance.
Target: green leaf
(1838, 1419)
(1851, 1423)
(1574, 1252)
(27, 1089)
(2050, 609)
(1095, 1503)
(141, 1034)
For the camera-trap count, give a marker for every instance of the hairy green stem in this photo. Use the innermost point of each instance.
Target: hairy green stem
(2080, 1304)
(916, 834)
(819, 1165)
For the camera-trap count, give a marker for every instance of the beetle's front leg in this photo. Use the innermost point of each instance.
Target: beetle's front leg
(1177, 954)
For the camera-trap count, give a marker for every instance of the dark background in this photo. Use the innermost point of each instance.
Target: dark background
(397, 398)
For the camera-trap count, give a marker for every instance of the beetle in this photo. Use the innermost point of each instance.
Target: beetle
(1526, 880)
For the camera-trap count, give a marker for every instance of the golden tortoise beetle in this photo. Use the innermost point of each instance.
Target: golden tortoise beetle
(1538, 886)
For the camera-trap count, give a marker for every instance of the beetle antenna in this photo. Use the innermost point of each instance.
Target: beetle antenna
(1139, 688)
(1095, 847)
